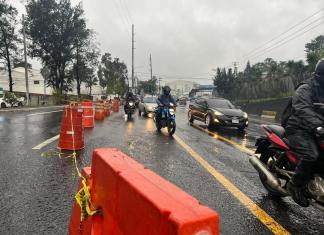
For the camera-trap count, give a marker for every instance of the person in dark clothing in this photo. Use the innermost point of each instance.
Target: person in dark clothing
(129, 97)
(301, 129)
(164, 100)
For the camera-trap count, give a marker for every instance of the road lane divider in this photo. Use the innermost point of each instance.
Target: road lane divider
(258, 212)
(35, 114)
(128, 198)
(219, 137)
(46, 142)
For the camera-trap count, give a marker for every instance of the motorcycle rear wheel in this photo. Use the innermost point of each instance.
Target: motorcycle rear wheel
(265, 157)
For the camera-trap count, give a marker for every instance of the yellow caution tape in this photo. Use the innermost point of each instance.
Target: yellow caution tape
(83, 199)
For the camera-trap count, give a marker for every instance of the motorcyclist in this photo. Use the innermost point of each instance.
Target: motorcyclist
(302, 126)
(164, 100)
(129, 97)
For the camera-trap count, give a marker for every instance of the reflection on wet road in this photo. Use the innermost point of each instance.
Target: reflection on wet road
(37, 192)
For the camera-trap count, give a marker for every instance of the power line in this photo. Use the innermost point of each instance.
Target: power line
(298, 35)
(122, 18)
(283, 33)
(288, 36)
(127, 11)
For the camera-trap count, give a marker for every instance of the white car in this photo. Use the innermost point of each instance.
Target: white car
(147, 105)
(20, 102)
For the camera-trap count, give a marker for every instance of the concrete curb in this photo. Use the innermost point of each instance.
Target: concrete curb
(29, 109)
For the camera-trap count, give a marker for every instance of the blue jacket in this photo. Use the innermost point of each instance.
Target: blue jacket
(165, 100)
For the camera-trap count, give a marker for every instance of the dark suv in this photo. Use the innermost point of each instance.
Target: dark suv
(217, 112)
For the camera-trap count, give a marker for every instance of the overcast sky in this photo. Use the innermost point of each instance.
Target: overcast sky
(189, 38)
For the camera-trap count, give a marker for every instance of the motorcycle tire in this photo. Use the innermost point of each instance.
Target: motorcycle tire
(271, 191)
(171, 128)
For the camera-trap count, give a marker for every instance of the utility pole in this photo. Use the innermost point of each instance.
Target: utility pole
(235, 68)
(132, 56)
(151, 67)
(159, 85)
(25, 55)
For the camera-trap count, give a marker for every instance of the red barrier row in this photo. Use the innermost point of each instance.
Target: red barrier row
(136, 201)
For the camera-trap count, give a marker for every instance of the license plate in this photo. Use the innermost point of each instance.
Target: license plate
(236, 121)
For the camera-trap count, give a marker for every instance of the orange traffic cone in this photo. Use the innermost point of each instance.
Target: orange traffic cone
(72, 132)
(99, 113)
(106, 108)
(88, 120)
(116, 106)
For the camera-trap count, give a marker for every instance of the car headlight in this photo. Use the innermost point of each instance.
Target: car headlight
(217, 113)
(245, 115)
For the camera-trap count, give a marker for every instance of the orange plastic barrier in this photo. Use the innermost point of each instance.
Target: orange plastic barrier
(72, 132)
(136, 201)
(100, 112)
(116, 106)
(88, 120)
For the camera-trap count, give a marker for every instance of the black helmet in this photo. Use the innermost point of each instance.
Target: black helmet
(130, 94)
(166, 90)
(319, 69)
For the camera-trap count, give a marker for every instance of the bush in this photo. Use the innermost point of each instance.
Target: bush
(10, 98)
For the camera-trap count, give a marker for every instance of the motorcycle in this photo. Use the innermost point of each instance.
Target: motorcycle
(129, 109)
(277, 164)
(167, 119)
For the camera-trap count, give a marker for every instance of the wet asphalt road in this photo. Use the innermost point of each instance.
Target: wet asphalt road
(37, 191)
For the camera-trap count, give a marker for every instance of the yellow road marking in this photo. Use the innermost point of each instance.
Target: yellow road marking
(219, 137)
(260, 214)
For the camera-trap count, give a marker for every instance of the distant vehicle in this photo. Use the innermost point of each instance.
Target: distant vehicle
(217, 112)
(182, 101)
(167, 119)
(129, 109)
(19, 102)
(147, 105)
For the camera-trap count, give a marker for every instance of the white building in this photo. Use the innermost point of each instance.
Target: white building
(36, 83)
(181, 87)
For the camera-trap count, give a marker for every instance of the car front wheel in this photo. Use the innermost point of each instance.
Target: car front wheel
(3, 105)
(208, 121)
(190, 117)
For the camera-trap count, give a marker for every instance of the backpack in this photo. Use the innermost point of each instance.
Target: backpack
(287, 112)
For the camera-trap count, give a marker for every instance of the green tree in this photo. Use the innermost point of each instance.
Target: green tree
(53, 26)
(314, 51)
(112, 74)
(149, 86)
(9, 39)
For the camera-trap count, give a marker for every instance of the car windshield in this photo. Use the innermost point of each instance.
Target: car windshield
(223, 104)
(149, 100)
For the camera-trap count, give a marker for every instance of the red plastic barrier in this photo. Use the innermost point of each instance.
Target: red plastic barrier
(72, 132)
(88, 120)
(74, 226)
(136, 201)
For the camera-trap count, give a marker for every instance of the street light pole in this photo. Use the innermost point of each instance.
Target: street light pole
(132, 56)
(25, 56)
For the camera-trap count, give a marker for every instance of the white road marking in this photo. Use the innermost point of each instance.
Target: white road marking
(46, 142)
(34, 114)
